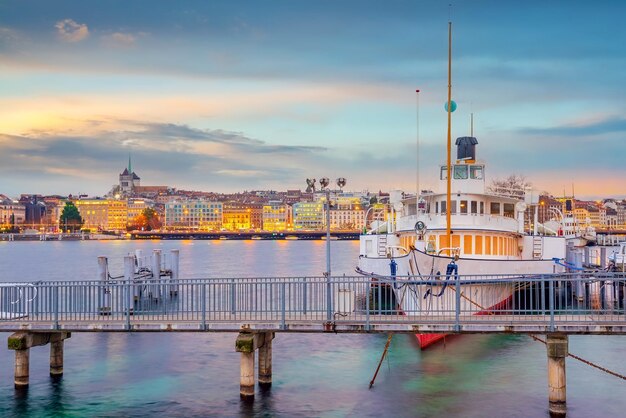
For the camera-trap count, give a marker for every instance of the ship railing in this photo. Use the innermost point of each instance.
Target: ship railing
(498, 222)
(549, 301)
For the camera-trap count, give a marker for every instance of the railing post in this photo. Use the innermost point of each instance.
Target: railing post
(203, 303)
(457, 304)
(367, 308)
(329, 313)
(233, 308)
(304, 295)
(543, 295)
(283, 304)
(56, 307)
(129, 272)
(551, 299)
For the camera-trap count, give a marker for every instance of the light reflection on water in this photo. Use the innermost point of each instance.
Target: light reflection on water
(192, 374)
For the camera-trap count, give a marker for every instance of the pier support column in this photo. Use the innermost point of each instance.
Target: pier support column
(265, 361)
(22, 366)
(246, 384)
(557, 345)
(246, 344)
(56, 358)
(21, 342)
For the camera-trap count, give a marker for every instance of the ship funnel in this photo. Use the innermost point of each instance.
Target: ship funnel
(466, 148)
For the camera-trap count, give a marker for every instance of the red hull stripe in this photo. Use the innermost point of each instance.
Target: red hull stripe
(428, 339)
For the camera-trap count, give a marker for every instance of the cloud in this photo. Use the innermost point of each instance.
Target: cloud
(170, 154)
(610, 125)
(120, 39)
(70, 31)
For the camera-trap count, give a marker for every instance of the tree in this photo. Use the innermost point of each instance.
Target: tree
(70, 217)
(147, 220)
(513, 186)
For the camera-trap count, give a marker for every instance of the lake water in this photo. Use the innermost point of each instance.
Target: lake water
(314, 375)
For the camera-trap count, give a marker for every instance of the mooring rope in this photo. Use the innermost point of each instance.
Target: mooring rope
(587, 362)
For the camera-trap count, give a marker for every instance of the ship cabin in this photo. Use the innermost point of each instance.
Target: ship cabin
(483, 225)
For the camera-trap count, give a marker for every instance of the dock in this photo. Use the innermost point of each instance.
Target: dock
(150, 297)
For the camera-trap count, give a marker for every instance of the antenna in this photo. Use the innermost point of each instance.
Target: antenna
(417, 139)
(472, 124)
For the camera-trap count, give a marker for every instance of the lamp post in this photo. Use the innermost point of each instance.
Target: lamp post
(324, 182)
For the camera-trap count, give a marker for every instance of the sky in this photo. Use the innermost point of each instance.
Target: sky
(238, 95)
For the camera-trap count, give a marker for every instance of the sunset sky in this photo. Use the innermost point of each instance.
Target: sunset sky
(237, 95)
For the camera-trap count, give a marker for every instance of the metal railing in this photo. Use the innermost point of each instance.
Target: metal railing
(548, 302)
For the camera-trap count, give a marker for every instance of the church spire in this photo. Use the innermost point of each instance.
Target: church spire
(130, 169)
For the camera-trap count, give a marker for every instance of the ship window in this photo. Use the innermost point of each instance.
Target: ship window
(460, 172)
(476, 172)
(494, 208)
(453, 206)
(467, 244)
(487, 245)
(478, 244)
(509, 210)
(436, 207)
(463, 206)
(444, 173)
(474, 206)
(443, 206)
(482, 207)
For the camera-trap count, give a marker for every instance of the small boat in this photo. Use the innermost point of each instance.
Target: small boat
(291, 237)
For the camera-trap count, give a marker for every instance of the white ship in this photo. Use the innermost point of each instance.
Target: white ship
(459, 228)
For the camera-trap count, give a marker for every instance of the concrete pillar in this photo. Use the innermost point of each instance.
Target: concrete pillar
(246, 344)
(22, 341)
(557, 351)
(22, 364)
(265, 361)
(246, 385)
(56, 358)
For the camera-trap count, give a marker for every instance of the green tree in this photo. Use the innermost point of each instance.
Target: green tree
(70, 218)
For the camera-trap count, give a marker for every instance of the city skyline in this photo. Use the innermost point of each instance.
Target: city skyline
(224, 97)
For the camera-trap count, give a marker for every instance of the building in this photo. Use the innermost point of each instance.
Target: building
(128, 180)
(12, 213)
(35, 210)
(135, 208)
(193, 214)
(308, 215)
(347, 219)
(103, 214)
(276, 216)
(237, 216)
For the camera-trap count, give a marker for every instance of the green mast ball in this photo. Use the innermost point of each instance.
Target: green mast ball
(452, 104)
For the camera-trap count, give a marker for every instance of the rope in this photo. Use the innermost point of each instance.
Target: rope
(587, 362)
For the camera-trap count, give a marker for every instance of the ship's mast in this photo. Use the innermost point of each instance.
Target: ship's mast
(449, 168)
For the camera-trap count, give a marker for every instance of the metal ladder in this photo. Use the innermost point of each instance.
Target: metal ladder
(537, 247)
(382, 245)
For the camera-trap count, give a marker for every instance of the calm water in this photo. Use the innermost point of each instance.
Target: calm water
(178, 374)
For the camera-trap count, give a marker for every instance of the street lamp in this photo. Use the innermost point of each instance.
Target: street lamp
(324, 182)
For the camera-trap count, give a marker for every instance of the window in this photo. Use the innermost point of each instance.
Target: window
(453, 206)
(474, 206)
(467, 244)
(509, 210)
(443, 206)
(479, 244)
(460, 172)
(436, 207)
(494, 208)
(482, 208)
(444, 173)
(464, 206)
(476, 172)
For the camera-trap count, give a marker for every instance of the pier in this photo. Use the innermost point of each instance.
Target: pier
(150, 296)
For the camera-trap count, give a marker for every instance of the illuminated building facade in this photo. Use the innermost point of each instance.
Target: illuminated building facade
(202, 215)
(276, 216)
(308, 215)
